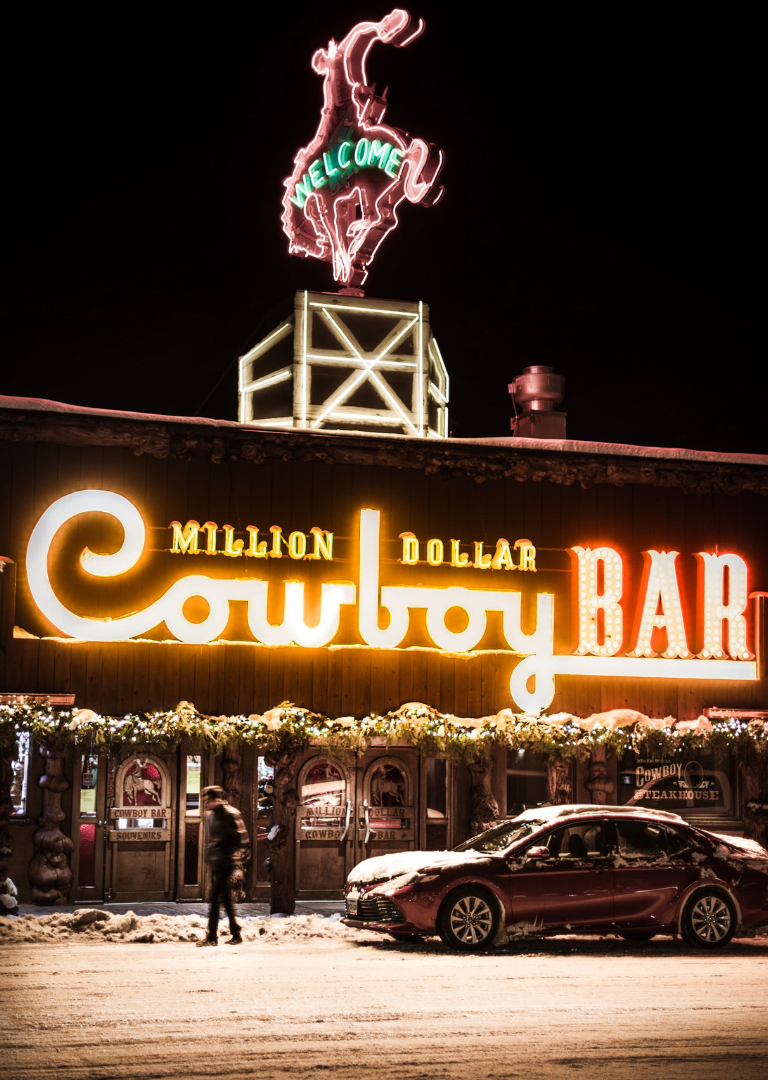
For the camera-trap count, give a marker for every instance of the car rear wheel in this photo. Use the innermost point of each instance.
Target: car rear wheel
(469, 919)
(709, 919)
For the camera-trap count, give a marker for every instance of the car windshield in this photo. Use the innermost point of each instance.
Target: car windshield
(501, 837)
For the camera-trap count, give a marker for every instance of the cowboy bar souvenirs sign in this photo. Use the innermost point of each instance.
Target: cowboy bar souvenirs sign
(342, 197)
(642, 636)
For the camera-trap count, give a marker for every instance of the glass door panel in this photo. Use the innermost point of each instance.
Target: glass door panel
(190, 828)
(89, 831)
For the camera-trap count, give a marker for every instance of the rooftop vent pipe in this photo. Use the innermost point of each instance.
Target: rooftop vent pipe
(535, 394)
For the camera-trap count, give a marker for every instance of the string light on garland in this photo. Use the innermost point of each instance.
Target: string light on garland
(429, 731)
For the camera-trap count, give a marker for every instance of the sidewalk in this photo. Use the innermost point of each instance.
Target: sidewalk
(303, 907)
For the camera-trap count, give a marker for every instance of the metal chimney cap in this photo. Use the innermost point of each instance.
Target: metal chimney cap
(539, 389)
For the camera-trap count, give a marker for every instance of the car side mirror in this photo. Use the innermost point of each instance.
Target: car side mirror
(537, 853)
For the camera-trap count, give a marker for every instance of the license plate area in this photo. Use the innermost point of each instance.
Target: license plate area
(352, 901)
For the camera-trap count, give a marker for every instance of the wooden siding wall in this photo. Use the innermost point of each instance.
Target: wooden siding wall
(242, 678)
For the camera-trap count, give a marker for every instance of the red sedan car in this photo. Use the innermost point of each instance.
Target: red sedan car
(568, 869)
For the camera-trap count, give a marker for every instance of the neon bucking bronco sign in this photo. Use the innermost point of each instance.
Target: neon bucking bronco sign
(342, 197)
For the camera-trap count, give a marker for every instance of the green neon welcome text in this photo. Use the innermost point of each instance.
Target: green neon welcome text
(342, 160)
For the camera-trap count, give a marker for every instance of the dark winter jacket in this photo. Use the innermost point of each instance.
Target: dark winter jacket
(227, 839)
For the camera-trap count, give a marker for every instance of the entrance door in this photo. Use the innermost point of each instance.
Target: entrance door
(350, 811)
(386, 815)
(141, 831)
(88, 815)
(324, 827)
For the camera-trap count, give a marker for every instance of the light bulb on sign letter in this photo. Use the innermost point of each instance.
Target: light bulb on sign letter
(715, 610)
(590, 601)
(662, 608)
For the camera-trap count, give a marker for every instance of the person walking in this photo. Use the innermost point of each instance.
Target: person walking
(227, 848)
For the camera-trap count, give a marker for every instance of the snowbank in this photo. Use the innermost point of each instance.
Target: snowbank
(95, 924)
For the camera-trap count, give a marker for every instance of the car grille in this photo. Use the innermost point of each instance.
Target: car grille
(377, 909)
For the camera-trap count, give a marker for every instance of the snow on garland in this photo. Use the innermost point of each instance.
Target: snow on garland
(431, 732)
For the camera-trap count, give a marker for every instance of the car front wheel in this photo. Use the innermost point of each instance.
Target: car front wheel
(709, 919)
(469, 919)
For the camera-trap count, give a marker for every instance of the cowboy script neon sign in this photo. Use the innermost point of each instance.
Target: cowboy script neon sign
(724, 654)
(341, 199)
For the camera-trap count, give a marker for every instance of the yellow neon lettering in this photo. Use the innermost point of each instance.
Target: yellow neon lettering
(232, 547)
(323, 544)
(211, 528)
(410, 549)
(277, 536)
(435, 552)
(527, 555)
(458, 558)
(256, 550)
(482, 562)
(297, 545)
(185, 540)
(502, 559)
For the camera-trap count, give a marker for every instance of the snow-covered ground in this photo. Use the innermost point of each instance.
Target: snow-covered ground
(98, 924)
(308, 997)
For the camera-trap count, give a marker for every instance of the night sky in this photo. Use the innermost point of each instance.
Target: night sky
(601, 211)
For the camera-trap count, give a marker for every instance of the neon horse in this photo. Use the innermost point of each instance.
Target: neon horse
(341, 199)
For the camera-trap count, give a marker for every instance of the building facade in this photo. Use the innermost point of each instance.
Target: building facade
(457, 586)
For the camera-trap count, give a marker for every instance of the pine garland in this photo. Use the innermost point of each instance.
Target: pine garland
(288, 727)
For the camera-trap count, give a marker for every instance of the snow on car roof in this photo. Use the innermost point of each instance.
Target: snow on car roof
(549, 813)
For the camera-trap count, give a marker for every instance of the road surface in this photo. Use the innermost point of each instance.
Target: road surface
(348, 1008)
